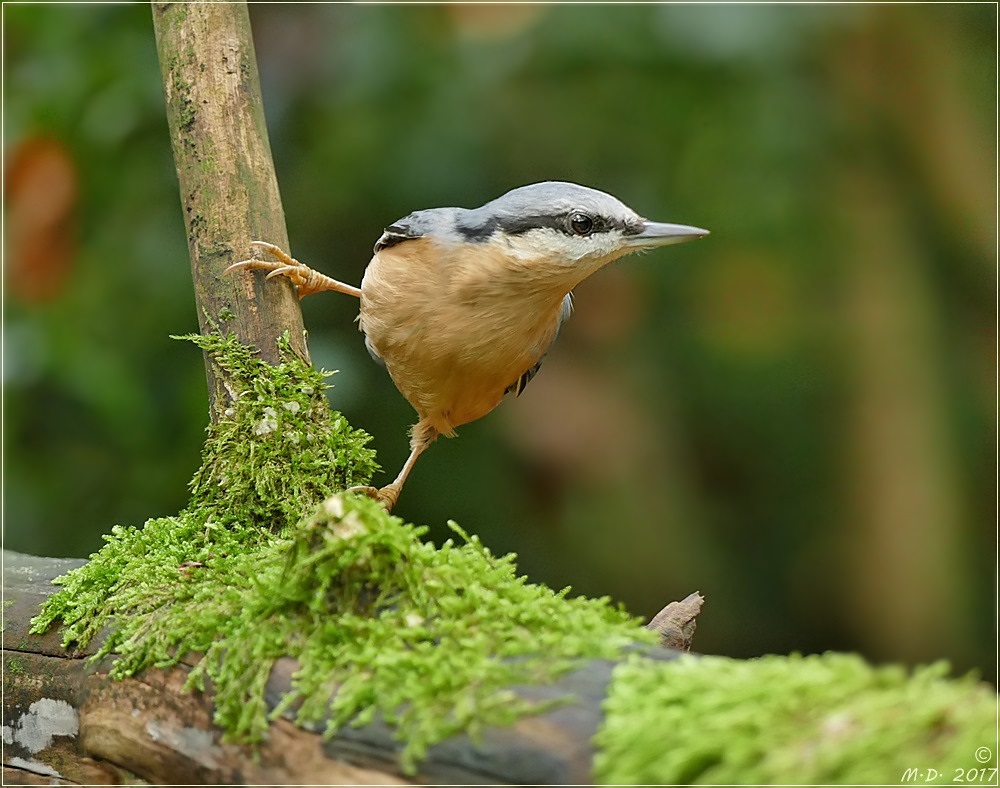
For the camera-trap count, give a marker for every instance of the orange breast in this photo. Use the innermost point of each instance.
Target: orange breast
(450, 329)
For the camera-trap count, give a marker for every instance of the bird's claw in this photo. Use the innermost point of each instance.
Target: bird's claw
(387, 496)
(299, 274)
(284, 270)
(284, 260)
(306, 280)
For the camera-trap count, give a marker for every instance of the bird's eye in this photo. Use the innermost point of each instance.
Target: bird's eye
(581, 224)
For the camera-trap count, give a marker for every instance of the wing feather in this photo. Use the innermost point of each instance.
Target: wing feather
(395, 234)
(518, 385)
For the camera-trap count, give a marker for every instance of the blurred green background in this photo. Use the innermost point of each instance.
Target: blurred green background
(795, 417)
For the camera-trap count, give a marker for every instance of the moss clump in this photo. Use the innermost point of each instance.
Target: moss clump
(278, 450)
(430, 638)
(815, 720)
(266, 563)
(274, 454)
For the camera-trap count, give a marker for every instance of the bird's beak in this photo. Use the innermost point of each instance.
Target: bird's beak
(662, 234)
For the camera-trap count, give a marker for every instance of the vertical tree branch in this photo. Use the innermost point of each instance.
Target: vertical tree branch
(229, 191)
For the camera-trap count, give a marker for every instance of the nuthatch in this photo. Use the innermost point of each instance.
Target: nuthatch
(461, 305)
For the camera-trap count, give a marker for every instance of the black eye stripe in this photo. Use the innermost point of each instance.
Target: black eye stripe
(477, 233)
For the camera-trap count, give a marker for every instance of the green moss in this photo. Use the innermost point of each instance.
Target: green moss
(278, 450)
(13, 666)
(265, 562)
(815, 720)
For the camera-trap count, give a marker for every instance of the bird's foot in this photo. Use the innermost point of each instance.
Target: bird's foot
(387, 496)
(306, 280)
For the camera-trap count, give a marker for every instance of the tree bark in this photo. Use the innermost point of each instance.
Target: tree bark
(229, 191)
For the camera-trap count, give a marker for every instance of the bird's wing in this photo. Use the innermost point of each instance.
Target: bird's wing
(372, 352)
(404, 230)
(517, 386)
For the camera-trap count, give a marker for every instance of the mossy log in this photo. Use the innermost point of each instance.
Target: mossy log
(648, 718)
(67, 720)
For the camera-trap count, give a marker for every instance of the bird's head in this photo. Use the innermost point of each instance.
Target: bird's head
(565, 231)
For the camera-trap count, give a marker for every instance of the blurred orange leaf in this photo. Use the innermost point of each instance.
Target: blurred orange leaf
(40, 195)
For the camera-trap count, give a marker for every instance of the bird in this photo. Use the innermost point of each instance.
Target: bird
(462, 304)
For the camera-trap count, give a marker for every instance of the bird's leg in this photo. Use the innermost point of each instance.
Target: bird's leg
(306, 280)
(423, 436)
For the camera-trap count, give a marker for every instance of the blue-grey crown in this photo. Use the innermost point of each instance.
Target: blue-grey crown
(550, 204)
